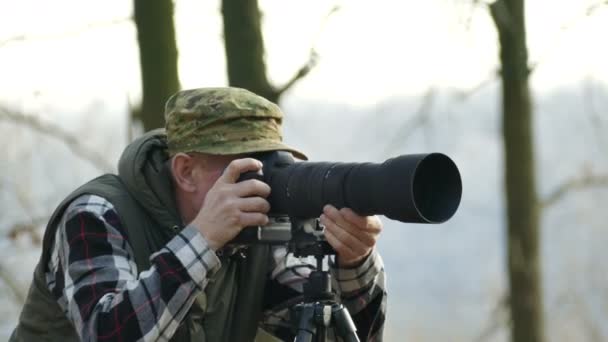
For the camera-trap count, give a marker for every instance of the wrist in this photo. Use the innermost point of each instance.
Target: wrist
(352, 263)
(212, 243)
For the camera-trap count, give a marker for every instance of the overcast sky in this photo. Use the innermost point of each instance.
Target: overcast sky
(368, 51)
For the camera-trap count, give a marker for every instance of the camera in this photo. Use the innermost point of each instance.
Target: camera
(417, 188)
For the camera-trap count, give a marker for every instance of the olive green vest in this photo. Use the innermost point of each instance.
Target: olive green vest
(228, 310)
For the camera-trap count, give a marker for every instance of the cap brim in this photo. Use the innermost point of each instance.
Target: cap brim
(243, 147)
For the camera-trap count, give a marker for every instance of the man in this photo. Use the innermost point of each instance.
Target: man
(142, 256)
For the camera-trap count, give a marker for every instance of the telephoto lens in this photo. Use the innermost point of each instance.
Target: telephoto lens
(419, 188)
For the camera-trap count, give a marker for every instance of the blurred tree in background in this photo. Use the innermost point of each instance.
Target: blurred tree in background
(525, 296)
(158, 59)
(245, 48)
(245, 52)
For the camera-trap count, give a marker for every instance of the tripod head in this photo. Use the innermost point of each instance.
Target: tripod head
(303, 238)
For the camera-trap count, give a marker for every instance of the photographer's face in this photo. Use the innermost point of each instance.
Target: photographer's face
(194, 175)
(208, 169)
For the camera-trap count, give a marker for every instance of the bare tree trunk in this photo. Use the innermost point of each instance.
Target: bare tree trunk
(245, 52)
(520, 184)
(244, 45)
(158, 59)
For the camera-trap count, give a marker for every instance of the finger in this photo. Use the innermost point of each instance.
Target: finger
(254, 204)
(236, 167)
(354, 218)
(252, 187)
(332, 213)
(343, 251)
(369, 223)
(253, 219)
(360, 234)
(356, 246)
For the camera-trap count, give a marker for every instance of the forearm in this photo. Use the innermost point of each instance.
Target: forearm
(362, 291)
(148, 306)
(94, 277)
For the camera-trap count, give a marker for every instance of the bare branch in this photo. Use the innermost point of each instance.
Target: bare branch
(326, 19)
(591, 10)
(571, 300)
(57, 132)
(24, 37)
(304, 70)
(28, 228)
(421, 117)
(596, 121)
(9, 280)
(498, 319)
(468, 20)
(463, 95)
(576, 183)
(596, 6)
(594, 332)
(313, 57)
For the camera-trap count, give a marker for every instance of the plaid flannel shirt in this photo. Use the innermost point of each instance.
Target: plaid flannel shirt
(94, 278)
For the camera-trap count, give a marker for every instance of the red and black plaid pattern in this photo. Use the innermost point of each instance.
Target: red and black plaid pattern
(95, 280)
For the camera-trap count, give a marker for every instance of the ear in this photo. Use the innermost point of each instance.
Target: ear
(183, 168)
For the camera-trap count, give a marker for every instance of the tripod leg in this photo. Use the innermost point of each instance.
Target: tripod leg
(343, 323)
(307, 329)
(313, 320)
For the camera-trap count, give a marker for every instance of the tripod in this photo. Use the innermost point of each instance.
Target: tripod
(319, 309)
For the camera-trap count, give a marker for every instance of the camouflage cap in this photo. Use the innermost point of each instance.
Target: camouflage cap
(223, 121)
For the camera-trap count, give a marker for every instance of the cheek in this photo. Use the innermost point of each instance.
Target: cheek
(206, 182)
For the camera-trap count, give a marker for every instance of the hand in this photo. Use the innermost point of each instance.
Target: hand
(351, 235)
(229, 206)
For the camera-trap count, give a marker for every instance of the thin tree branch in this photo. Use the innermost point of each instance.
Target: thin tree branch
(29, 228)
(595, 7)
(70, 140)
(593, 331)
(571, 301)
(24, 37)
(591, 10)
(575, 183)
(498, 319)
(469, 18)
(9, 280)
(593, 114)
(304, 70)
(421, 117)
(463, 95)
(313, 57)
